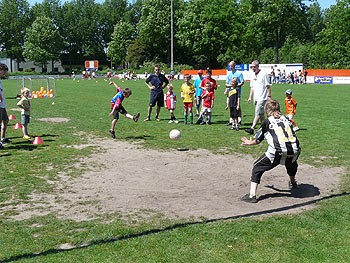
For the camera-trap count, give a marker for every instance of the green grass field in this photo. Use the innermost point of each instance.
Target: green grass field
(318, 235)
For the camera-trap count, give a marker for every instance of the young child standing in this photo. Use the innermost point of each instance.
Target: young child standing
(187, 94)
(291, 108)
(234, 103)
(207, 104)
(24, 104)
(197, 85)
(170, 103)
(116, 106)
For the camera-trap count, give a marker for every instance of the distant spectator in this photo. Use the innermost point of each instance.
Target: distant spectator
(260, 89)
(305, 75)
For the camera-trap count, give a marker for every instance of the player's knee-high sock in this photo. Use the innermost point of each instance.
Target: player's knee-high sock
(191, 118)
(209, 117)
(185, 118)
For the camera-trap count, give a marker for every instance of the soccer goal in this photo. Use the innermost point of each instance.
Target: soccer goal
(39, 87)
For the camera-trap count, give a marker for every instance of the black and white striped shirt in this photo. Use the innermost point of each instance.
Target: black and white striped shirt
(280, 137)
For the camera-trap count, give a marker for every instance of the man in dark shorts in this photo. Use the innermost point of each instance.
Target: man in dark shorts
(156, 83)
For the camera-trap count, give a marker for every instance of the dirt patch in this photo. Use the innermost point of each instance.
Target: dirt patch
(128, 179)
(55, 120)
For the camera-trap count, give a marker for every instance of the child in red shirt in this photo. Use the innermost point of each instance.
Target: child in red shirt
(207, 104)
(170, 103)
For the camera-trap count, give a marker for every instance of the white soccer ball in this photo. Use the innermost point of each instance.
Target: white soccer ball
(174, 134)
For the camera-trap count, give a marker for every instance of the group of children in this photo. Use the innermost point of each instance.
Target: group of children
(233, 103)
(189, 97)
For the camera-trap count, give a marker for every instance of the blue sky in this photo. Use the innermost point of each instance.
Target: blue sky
(323, 3)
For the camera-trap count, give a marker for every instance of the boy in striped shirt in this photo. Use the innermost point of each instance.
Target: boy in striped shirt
(283, 148)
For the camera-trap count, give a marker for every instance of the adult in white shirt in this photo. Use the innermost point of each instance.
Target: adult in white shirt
(260, 89)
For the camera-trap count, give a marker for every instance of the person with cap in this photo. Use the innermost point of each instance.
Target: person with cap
(291, 108)
(197, 85)
(233, 73)
(260, 88)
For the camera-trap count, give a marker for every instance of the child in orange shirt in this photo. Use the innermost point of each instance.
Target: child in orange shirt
(291, 107)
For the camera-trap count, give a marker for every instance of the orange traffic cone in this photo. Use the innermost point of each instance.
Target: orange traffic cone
(12, 117)
(17, 126)
(37, 140)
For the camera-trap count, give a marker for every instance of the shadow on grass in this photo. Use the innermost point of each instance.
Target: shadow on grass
(28, 146)
(5, 154)
(169, 228)
(140, 137)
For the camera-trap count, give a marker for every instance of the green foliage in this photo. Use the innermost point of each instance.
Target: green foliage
(80, 28)
(154, 29)
(335, 34)
(206, 33)
(43, 41)
(315, 21)
(14, 17)
(110, 14)
(121, 38)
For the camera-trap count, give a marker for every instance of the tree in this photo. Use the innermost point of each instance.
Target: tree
(315, 21)
(207, 32)
(335, 35)
(121, 38)
(80, 30)
(49, 8)
(136, 53)
(111, 12)
(43, 42)
(14, 17)
(154, 29)
(276, 20)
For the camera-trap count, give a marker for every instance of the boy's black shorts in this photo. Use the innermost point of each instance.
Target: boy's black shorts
(3, 115)
(122, 110)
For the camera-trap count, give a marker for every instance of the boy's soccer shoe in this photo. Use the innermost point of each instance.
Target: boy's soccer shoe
(136, 117)
(248, 199)
(112, 133)
(292, 186)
